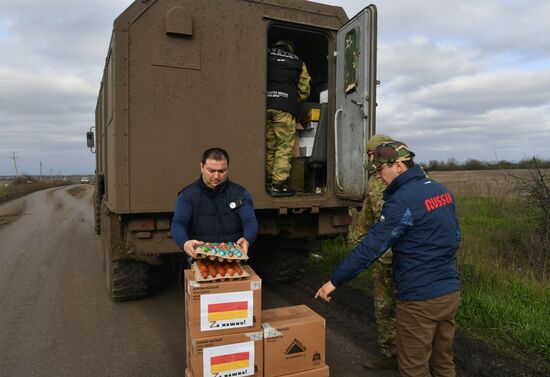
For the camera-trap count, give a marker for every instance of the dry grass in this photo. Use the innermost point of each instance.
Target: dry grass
(480, 182)
(22, 187)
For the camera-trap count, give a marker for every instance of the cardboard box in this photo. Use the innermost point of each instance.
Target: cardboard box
(320, 372)
(294, 340)
(310, 112)
(223, 307)
(226, 355)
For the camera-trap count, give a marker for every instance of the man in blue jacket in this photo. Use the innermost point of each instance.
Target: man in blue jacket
(419, 223)
(214, 209)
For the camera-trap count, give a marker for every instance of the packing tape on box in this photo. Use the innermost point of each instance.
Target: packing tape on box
(269, 331)
(255, 285)
(258, 335)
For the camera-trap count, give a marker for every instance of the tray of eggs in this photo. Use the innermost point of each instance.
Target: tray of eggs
(220, 251)
(211, 270)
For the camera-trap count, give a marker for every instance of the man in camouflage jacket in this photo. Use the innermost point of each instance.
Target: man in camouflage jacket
(384, 300)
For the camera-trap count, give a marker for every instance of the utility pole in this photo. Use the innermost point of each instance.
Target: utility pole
(40, 170)
(15, 164)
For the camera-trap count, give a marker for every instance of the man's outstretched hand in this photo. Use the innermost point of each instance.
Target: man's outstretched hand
(325, 291)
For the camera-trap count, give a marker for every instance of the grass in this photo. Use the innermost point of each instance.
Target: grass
(504, 274)
(24, 186)
(503, 269)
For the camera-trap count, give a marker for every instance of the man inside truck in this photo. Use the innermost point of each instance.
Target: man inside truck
(287, 86)
(213, 209)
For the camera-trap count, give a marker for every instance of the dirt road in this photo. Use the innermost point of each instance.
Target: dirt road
(56, 319)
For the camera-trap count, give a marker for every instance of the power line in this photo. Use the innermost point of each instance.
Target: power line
(15, 164)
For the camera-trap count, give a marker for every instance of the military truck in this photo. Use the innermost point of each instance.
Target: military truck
(181, 76)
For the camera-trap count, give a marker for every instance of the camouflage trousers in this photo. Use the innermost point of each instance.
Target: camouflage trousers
(384, 303)
(384, 299)
(281, 135)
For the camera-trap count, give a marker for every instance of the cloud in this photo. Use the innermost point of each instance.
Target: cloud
(52, 60)
(417, 61)
(37, 93)
(487, 91)
(493, 25)
(459, 79)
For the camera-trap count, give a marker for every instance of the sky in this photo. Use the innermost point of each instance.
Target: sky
(459, 79)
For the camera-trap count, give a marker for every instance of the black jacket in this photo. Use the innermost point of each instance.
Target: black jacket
(283, 73)
(220, 215)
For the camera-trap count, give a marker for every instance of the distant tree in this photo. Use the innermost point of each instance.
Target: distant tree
(452, 164)
(433, 165)
(503, 164)
(472, 164)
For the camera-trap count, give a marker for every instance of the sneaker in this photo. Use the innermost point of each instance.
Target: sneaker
(281, 189)
(382, 363)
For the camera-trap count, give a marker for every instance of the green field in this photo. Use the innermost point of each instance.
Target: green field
(504, 273)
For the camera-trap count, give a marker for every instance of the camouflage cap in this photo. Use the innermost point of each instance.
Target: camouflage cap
(377, 140)
(390, 152)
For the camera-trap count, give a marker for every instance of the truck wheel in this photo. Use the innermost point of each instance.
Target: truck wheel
(129, 280)
(97, 214)
(277, 261)
(126, 279)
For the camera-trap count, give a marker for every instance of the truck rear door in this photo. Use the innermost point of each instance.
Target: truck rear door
(354, 119)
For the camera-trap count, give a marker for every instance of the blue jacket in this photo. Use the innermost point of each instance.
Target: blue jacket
(220, 215)
(419, 223)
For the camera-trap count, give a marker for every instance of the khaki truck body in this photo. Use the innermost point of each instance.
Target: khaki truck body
(182, 76)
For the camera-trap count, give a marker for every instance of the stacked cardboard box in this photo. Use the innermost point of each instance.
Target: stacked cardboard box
(228, 334)
(223, 326)
(319, 372)
(294, 342)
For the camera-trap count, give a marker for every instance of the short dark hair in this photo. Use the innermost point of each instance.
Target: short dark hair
(409, 164)
(215, 153)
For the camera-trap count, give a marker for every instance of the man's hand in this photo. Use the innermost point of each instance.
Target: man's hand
(189, 247)
(243, 244)
(325, 291)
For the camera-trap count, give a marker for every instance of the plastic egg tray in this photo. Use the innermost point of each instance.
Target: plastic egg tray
(220, 251)
(207, 270)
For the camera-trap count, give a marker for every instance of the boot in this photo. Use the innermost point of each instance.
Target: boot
(280, 190)
(382, 363)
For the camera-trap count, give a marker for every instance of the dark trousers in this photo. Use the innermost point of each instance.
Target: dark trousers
(424, 333)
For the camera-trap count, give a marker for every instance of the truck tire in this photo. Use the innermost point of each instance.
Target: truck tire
(97, 213)
(279, 261)
(126, 279)
(129, 280)
(98, 196)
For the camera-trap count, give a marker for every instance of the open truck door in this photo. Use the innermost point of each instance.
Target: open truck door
(354, 119)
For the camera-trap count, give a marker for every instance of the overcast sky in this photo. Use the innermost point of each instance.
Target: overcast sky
(459, 79)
